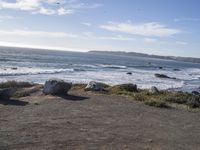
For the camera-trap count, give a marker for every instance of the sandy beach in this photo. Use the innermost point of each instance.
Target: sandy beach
(88, 120)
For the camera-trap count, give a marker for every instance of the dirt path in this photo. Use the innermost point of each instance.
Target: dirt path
(95, 122)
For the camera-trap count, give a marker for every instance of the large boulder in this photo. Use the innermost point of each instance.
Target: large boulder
(95, 86)
(7, 92)
(56, 87)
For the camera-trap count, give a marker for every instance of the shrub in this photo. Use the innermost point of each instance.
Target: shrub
(123, 88)
(193, 102)
(156, 103)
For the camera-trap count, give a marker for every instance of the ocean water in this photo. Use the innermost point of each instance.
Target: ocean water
(40, 65)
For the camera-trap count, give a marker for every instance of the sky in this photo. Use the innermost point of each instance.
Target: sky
(161, 27)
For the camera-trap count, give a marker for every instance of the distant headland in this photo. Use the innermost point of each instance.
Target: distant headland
(121, 53)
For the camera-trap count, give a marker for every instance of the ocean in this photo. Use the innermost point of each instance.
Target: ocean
(40, 65)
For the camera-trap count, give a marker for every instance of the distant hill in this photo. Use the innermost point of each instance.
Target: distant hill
(185, 59)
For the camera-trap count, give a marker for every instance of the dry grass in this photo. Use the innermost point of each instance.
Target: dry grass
(155, 103)
(162, 99)
(15, 84)
(78, 86)
(22, 89)
(27, 91)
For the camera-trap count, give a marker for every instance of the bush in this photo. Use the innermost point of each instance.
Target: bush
(193, 102)
(155, 103)
(177, 97)
(123, 88)
(162, 99)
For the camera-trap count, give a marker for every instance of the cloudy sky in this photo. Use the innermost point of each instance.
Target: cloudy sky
(163, 27)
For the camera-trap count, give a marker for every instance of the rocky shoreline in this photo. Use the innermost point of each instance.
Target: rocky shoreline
(151, 97)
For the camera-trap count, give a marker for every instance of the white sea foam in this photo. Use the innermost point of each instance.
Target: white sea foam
(10, 71)
(186, 79)
(113, 66)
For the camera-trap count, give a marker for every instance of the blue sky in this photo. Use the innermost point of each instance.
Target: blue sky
(162, 27)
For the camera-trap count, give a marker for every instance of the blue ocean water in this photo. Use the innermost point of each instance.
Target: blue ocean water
(40, 65)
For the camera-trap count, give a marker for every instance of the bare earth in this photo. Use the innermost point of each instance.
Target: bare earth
(94, 121)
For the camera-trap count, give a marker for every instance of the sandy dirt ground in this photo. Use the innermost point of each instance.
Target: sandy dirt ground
(84, 121)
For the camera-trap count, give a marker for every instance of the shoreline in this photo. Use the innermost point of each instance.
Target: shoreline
(152, 97)
(175, 89)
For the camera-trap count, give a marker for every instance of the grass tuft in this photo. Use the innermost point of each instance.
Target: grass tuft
(163, 99)
(156, 103)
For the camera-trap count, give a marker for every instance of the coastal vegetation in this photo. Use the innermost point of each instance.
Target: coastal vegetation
(162, 99)
(151, 97)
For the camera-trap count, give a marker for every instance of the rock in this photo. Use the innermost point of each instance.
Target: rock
(129, 73)
(95, 86)
(128, 87)
(160, 67)
(163, 76)
(154, 90)
(195, 93)
(56, 87)
(14, 68)
(176, 69)
(7, 92)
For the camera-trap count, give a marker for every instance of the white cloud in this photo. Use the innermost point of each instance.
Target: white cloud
(181, 43)
(90, 35)
(186, 19)
(62, 11)
(150, 40)
(46, 11)
(7, 17)
(86, 24)
(4, 17)
(30, 33)
(118, 37)
(145, 29)
(21, 4)
(48, 7)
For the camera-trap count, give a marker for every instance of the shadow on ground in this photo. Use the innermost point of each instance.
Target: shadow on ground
(13, 102)
(73, 97)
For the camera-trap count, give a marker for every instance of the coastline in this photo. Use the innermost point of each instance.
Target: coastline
(39, 66)
(170, 98)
